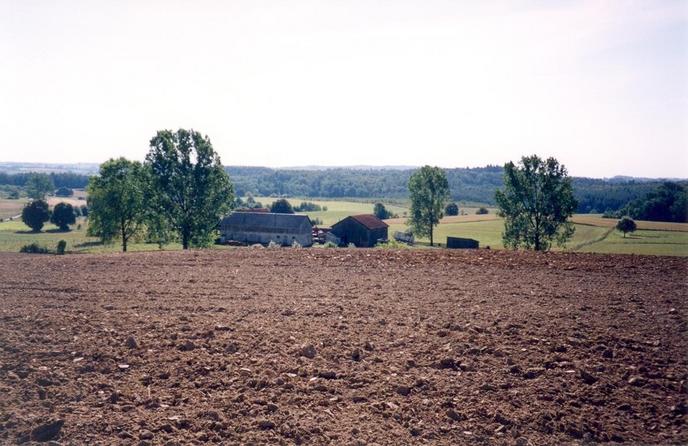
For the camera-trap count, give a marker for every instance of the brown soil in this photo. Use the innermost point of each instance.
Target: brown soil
(339, 346)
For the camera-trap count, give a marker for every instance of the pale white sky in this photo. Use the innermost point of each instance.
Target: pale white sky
(601, 85)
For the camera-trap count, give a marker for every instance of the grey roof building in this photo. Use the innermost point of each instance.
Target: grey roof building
(261, 227)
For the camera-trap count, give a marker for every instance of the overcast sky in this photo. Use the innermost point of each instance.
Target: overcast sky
(600, 85)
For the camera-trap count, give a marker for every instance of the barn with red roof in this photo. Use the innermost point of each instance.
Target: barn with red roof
(364, 231)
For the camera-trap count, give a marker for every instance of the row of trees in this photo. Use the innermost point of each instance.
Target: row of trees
(37, 212)
(536, 203)
(179, 192)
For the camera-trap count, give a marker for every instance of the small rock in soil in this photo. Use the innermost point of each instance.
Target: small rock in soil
(328, 374)
(356, 354)
(308, 351)
(533, 372)
(186, 346)
(146, 435)
(587, 377)
(447, 363)
(403, 390)
(47, 431)
(454, 415)
(266, 424)
(132, 343)
(638, 381)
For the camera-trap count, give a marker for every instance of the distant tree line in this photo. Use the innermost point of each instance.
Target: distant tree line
(62, 179)
(465, 184)
(668, 202)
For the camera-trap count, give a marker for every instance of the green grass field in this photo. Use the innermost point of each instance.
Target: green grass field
(593, 234)
(336, 210)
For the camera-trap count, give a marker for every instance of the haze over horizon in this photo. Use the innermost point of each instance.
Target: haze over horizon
(599, 85)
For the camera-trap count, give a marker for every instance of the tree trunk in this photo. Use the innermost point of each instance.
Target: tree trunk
(431, 235)
(124, 236)
(185, 239)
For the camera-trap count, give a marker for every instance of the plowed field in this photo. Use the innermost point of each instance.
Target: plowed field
(339, 346)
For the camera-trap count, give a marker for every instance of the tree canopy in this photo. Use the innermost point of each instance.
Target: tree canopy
(429, 190)
(281, 206)
(116, 201)
(381, 212)
(536, 203)
(190, 189)
(38, 186)
(451, 209)
(63, 216)
(668, 202)
(626, 224)
(35, 214)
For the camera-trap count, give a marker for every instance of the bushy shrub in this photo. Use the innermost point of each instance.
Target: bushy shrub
(273, 245)
(33, 248)
(307, 206)
(316, 221)
(451, 209)
(350, 245)
(60, 249)
(392, 244)
(295, 244)
(329, 245)
(482, 211)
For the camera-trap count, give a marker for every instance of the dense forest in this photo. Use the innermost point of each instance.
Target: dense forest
(466, 184)
(476, 185)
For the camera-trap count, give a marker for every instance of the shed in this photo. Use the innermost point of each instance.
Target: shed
(262, 227)
(364, 231)
(462, 243)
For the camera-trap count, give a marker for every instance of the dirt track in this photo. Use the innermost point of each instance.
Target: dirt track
(409, 347)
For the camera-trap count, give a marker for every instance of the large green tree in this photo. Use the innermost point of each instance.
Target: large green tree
(429, 191)
(35, 214)
(191, 190)
(63, 216)
(536, 203)
(116, 203)
(39, 185)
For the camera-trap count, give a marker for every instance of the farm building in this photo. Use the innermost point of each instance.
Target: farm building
(262, 227)
(364, 231)
(461, 243)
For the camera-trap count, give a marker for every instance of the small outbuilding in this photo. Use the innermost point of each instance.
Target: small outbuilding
(462, 243)
(364, 231)
(263, 227)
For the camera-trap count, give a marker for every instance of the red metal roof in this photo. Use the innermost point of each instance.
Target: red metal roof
(370, 221)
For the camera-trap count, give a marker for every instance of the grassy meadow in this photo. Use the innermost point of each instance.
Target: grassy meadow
(593, 233)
